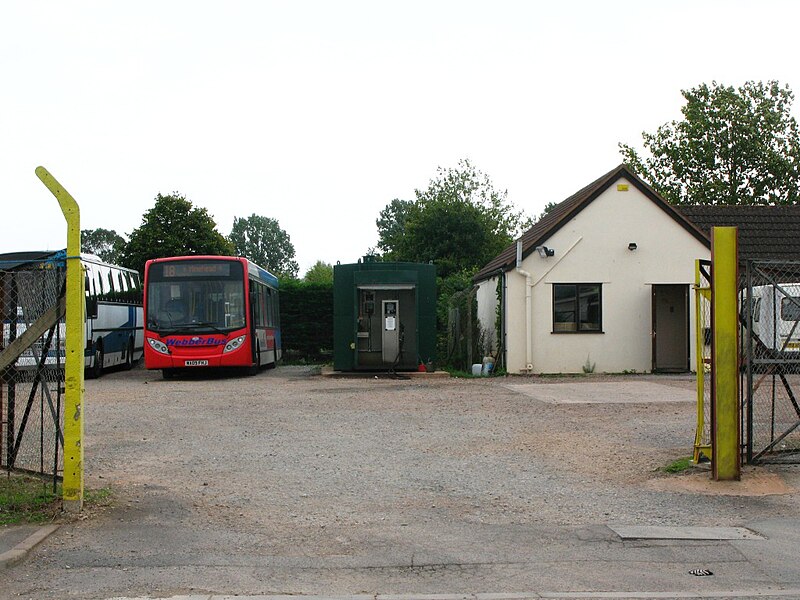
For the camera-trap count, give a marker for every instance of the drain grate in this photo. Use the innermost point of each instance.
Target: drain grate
(700, 572)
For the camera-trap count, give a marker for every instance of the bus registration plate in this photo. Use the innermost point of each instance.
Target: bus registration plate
(195, 363)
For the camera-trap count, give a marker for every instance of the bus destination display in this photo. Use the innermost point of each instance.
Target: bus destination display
(197, 269)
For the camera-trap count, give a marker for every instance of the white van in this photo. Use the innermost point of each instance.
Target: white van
(776, 315)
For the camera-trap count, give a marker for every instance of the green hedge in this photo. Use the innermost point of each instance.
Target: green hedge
(306, 321)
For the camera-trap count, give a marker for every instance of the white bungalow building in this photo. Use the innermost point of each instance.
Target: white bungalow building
(602, 282)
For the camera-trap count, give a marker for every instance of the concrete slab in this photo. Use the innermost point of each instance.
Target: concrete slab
(11, 535)
(613, 392)
(17, 541)
(328, 372)
(646, 532)
(544, 595)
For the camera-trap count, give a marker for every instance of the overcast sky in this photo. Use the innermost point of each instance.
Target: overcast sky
(318, 114)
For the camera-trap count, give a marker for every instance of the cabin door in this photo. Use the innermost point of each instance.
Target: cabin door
(671, 328)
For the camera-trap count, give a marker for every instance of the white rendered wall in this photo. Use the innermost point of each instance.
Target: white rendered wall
(593, 248)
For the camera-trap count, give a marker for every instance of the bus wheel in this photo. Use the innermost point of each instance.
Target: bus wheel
(129, 356)
(97, 368)
(168, 373)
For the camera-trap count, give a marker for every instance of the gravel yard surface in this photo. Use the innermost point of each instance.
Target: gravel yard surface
(290, 469)
(289, 448)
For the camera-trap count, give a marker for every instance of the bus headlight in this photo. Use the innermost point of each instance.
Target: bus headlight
(234, 344)
(158, 346)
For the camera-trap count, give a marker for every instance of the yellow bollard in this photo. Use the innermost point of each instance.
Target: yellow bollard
(726, 459)
(72, 488)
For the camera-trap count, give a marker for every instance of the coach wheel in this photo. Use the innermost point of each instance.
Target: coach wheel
(97, 368)
(129, 356)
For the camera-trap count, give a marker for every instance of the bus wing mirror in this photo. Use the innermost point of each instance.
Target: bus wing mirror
(91, 307)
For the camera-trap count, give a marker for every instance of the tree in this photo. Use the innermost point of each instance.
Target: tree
(733, 146)
(321, 273)
(460, 222)
(105, 243)
(547, 208)
(392, 224)
(173, 227)
(262, 240)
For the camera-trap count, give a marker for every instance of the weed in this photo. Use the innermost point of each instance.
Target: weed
(461, 374)
(678, 466)
(101, 497)
(588, 366)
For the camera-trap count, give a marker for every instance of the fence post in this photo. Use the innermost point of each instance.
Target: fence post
(748, 353)
(73, 369)
(726, 459)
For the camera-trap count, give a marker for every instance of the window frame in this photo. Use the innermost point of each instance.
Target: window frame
(576, 308)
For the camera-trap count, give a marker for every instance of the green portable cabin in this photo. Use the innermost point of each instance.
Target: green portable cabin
(384, 316)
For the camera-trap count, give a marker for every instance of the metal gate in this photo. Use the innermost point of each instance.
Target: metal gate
(702, 305)
(770, 318)
(32, 345)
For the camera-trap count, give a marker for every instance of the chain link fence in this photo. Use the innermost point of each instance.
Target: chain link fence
(467, 343)
(770, 319)
(32, 351)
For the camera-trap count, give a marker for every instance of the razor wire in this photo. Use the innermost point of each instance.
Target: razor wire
(32, 385)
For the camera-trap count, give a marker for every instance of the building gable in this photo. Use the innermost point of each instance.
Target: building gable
(563, 212)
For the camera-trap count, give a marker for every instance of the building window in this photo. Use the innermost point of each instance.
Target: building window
(577, 308)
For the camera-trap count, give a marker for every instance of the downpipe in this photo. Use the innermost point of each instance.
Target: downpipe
(528, 310)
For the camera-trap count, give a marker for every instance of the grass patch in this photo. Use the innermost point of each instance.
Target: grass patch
(101, 497)
(461, 374)
(679, 466)
(26, 499)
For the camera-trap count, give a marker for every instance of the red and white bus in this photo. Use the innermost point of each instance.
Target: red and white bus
(209, 311)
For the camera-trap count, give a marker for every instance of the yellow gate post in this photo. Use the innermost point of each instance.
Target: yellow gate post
(725, 459)
(72, 488)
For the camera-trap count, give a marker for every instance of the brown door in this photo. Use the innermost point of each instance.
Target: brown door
(671, 328)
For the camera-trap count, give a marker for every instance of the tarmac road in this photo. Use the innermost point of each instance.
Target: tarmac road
(293, 483)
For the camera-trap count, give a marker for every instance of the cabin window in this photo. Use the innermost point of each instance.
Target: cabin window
(790, 308)
(577, 308)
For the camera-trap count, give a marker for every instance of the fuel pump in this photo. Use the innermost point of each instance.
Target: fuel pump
(391, 328)
(365, 321)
